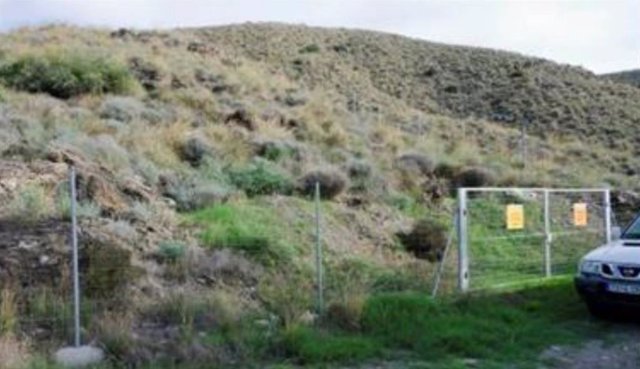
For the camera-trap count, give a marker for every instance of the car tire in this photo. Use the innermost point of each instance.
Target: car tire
(598, 310)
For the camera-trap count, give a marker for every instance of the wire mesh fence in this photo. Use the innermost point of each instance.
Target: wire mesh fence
(551, 231)
(36, 270)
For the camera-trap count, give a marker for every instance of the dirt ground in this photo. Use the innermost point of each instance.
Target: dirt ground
(618, 351)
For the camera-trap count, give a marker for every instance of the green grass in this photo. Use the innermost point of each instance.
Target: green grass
(248, 227)
(261, 178)
(500, 330)
(64, 76)
(511, 327)
(499, 256)
(310, 346)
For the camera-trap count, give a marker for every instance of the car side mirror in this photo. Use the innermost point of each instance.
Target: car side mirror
(616, 233)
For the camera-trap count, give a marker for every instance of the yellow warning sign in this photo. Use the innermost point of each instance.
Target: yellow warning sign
(515, 216)
(580, 214)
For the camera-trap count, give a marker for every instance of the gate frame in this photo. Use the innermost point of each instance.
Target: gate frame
(461, 224)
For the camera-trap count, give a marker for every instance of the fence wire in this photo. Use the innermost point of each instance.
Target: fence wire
(498, 256)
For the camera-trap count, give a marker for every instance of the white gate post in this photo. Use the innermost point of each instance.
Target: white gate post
(607, 215)
(547, 235)
(463, 257)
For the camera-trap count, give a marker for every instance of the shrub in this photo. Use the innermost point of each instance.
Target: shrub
(415, 163)
(474, 177)
(121, 229)
(171, 251)
(288, 296)
(63, 200)
(190, 195)
(359, 170)
(332, 183)
(275, 150)
(445, 169)
(311, 48)
(427, 239)
(260, 178)
(65, 76)
(30, 204)
(122, 109)
(114, 332)
(346, 315)
(108, 268)
(194, 150)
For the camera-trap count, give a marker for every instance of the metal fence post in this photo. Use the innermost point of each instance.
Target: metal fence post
(319, 271)
(607, 215)
(441, 265)
(76, 272)
(547, 236)
(463, 257)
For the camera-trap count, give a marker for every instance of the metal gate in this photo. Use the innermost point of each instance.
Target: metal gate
(508, 236)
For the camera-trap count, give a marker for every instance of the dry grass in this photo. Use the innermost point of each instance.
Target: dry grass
(14, 354)
(8, 311)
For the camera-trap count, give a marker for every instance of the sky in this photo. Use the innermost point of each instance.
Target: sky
(600, 35)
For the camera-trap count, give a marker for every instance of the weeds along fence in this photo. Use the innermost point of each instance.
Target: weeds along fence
(37, 266)
(38, 291)
(551, 230)
(508, 236)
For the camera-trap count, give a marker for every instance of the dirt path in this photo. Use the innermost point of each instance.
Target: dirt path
(619, 351)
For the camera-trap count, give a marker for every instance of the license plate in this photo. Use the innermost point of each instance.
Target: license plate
(629, 289)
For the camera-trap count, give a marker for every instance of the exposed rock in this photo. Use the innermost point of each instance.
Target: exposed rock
(79, 357)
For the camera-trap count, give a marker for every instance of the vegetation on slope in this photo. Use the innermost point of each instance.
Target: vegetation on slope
(631, 77)
(197, 152)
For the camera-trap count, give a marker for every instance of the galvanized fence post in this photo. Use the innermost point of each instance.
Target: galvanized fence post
(607, 215)
(463, 256)
(74, 245)
(547, 235)
(319, 267)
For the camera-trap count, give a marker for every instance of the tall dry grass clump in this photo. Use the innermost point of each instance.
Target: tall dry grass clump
(14, 354)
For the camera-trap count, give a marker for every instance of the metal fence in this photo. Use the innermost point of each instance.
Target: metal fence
(511, 235)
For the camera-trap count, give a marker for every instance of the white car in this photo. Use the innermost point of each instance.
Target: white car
(609, 276)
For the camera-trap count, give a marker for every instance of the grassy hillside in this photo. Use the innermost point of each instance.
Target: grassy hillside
(631, 77)
(197, 153)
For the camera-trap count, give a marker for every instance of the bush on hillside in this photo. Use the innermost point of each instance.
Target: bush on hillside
(359, 170)
(427, 240)
(200, 197)
(332, 183)
(446, 170)
(275, 150)
(474, 177)
(260, 178)
(65, 76)
(107, 269)
(415, 163)
(122, 109)
(194, 150)
(310, 48)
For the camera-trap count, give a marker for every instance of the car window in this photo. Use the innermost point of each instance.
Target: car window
(633, 231)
